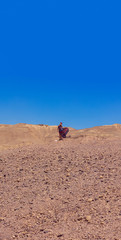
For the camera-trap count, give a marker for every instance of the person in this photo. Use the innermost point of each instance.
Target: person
(62, 131)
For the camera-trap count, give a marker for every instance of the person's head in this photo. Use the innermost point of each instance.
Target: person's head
(60, 123)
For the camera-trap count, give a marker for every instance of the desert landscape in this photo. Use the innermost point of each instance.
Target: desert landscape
(66, 190)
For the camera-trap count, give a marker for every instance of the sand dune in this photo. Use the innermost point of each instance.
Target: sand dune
(25, 134)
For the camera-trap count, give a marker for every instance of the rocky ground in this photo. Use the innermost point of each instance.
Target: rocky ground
(67, 190)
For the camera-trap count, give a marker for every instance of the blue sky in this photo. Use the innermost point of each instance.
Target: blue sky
(60, 61)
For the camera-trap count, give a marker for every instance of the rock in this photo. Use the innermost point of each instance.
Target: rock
(60, 235)
(90, 199)
(88, 218)
(1, 219)
(79, 218)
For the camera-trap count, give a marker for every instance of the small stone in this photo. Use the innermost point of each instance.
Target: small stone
(68, 174)
(60, 235)
(100, 196)
(90, 199)
(14, 236)
(1, 219)
(88, 218)
(102, 222)
(79, 219)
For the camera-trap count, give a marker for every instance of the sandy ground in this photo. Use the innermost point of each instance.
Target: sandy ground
(14, 136)
(68, 190)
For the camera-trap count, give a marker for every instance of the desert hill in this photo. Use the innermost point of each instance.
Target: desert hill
(25, 134)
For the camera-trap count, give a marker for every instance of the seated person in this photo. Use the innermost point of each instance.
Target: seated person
(62, 131)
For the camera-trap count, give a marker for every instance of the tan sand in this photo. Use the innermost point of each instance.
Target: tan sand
(69, 190)
(26, 134)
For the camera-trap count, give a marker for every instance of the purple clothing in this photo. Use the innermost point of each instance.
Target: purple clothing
(63, 131)
(60, 128)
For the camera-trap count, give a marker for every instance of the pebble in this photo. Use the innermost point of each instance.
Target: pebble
(90, 200)
(88, 218)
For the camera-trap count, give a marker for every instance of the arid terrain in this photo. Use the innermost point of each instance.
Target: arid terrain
(65, 190)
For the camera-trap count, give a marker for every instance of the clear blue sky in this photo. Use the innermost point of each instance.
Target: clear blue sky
(60, 61)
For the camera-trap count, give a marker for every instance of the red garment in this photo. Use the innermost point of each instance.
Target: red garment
(63, 131)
